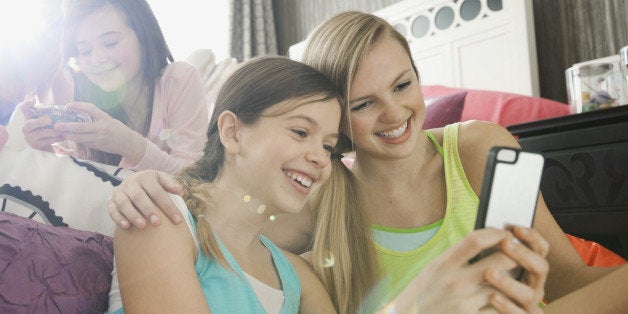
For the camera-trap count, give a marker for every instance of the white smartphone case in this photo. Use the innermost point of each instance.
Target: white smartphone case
(510, 188)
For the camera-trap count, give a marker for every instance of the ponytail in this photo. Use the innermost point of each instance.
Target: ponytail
(341, 237)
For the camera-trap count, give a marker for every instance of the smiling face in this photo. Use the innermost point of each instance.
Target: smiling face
(285, 156)
(109, 52)
(385, 102)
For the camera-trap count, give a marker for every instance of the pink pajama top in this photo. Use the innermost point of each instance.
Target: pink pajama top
(178, 128)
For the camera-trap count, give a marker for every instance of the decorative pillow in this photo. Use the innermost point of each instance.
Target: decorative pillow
(58, 190)
(502, 108)
(204, 60)
(594, 254)
(443, 110)
(48, 269)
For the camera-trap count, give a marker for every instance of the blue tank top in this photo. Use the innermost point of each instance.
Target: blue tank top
(228, 290)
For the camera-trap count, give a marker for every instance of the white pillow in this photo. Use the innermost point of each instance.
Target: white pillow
(204, 60)
(58, 190)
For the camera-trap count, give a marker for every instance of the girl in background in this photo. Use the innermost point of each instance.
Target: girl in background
(147, 112)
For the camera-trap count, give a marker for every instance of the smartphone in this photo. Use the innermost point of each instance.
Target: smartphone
(510, 190)
(60, 114)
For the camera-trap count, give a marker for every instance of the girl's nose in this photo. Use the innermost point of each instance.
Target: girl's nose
(392, 111)
(98, 56)
(318, 156)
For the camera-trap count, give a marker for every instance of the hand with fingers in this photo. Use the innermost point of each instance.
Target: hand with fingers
(524, 295)
(140, 196)
(449, 284)
(38, 132)
(103, 133)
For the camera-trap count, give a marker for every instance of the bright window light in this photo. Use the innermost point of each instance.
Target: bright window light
(189, 25)
(20, 21)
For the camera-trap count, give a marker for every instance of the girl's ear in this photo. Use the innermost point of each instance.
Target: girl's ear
(229, 129)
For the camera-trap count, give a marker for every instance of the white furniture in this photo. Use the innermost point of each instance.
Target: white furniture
(477, 44)
(474, 44)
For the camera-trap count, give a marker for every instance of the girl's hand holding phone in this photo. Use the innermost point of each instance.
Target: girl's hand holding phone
(38, 130)
(482, 287)
(530, 252)
(510, 190)
(103, 133)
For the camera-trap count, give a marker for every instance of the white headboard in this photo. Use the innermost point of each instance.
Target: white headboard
(475, 44)
(481, 44)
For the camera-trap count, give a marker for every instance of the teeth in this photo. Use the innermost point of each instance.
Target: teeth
(305, 181)
(394, 133)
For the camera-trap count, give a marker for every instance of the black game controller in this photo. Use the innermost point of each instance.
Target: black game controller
(60, 114)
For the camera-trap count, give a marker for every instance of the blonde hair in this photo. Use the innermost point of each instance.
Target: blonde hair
(337, 48)
(341, 252)
(255, 86)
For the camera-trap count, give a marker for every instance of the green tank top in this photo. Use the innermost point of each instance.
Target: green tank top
(400, 267)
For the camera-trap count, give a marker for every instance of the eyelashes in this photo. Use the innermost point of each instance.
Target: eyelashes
(300, 133)
(303, 134)
(403, 86)
(368, 103)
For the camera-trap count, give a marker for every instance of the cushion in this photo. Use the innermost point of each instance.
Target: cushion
(502, 108)
(594, 254)
(58, 190)
(204, 60)
(443, 110)
(48, 269)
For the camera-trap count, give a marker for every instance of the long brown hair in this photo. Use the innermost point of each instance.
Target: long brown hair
(155, 57)
(255, 86)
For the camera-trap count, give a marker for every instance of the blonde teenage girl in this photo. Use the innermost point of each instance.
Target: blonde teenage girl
(418, 188)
